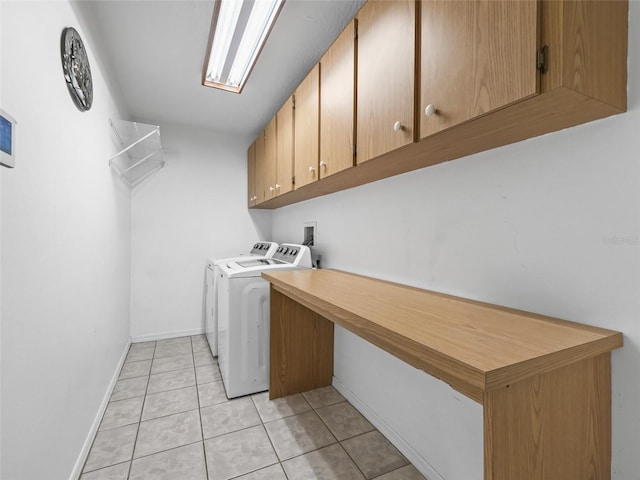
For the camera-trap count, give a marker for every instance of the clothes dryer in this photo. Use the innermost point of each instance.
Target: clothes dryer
(243, 318)
(259, 250)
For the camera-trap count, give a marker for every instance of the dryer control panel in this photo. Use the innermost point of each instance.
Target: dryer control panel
(266, 249)
(299, 255)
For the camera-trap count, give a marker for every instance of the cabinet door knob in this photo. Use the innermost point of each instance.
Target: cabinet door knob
(430, 110)
(277, 186)
(398, 126)
(311, 169)
(322, 163)
(271, 189)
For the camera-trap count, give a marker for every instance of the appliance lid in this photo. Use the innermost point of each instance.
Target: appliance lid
(258, 262)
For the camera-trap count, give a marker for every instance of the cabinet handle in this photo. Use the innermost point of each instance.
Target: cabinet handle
(398, 126)
(271, 189)
(277, 186)
(311, 169)
(323, 164)
(430, 110)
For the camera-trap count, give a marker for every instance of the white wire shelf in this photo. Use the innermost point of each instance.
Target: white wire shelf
(141, 151)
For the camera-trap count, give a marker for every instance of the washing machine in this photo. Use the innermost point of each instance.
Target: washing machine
(243, 318)
(259, 250)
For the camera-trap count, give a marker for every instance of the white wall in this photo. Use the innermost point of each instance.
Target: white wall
(549, 225)
(65, 250)
(192, 209)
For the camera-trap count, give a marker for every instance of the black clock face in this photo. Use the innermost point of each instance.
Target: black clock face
(76, 69)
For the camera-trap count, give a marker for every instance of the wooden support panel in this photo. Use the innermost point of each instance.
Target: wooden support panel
(553, 426)
(301, 348)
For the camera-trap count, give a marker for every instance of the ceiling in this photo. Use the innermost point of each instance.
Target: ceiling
(153, 52)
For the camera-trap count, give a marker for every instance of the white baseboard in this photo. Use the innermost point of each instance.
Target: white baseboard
(84, 452)
(394, 437)
(163, 335)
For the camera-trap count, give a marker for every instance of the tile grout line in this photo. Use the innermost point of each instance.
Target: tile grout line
(340, 441)
(84, 465)
(269, 437)
(168, 415)
(82, 472)
(166, 450)
(171, 414)
(195, 374)
(142, 410)
(164, 416)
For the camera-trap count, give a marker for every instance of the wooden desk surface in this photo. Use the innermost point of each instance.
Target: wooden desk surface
(473, 346)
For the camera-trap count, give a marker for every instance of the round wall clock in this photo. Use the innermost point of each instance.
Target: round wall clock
(76, 69)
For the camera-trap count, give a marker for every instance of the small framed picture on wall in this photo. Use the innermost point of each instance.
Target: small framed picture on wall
(7, 140)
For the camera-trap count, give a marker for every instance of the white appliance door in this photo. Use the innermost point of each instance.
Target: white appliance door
(222, 309)
(211, 314)
(255, 311)
(245, 366)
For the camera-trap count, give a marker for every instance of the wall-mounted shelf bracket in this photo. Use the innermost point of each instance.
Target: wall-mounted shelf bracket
(140, 154)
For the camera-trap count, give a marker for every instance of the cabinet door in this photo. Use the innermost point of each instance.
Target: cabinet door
(271, 154)
(284, 174)
(337, 98)
(260, 169)
(251, 174)
(476, 56)
(306, 130)
(386, 59)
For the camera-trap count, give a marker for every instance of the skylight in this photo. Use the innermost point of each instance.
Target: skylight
(239, 29)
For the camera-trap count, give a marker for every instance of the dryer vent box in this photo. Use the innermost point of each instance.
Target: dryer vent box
(309, 233)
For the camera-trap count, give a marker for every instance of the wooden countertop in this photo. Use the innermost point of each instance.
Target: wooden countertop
(473, 346)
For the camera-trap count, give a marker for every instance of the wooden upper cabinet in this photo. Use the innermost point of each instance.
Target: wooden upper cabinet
(251, 175)
(284, 171)
(386, 72)
(306, 130)
(588, 44)
(477, 67)
(476, 57)
(260, 169)
(271, 155)
(337, 104)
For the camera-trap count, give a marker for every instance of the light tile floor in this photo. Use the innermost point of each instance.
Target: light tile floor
(169, 418)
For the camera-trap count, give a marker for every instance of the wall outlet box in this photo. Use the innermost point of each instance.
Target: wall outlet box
(310, 233)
